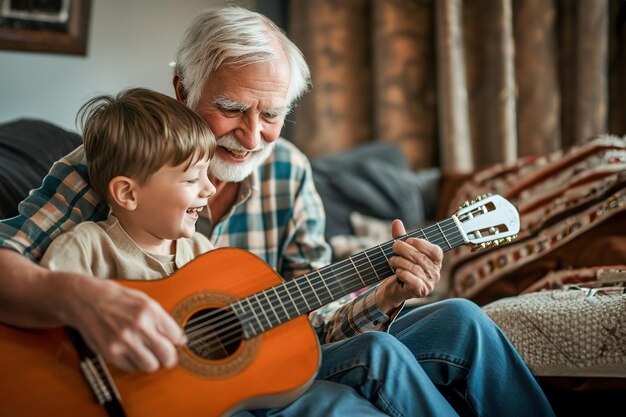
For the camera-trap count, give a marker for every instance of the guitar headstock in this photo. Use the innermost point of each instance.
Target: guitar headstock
(489, 220)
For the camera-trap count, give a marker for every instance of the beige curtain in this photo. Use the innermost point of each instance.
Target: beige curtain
(460, 84)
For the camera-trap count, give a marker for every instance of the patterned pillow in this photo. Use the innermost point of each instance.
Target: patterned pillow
(572, 208)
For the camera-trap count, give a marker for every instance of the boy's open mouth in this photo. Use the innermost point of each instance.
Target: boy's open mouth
(194, 211)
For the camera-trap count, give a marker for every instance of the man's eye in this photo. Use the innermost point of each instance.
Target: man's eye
(272, 118)
(232, 110)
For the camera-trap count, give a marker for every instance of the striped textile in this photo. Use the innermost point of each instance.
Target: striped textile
(572, 207)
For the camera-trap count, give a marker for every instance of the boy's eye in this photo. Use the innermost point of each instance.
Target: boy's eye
(193, 180)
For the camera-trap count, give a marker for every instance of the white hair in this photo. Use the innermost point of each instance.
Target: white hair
(236, 37)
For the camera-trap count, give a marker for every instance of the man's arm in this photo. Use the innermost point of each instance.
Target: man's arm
(28, 292)
(304, 249)
(63, 200)
(125, 326)
(417, 268)
(417, 264)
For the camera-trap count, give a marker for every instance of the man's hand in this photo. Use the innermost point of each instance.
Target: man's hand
(418, 269)
(125, 326)
(129, 329)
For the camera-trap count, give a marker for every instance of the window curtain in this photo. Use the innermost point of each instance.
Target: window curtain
(460, 84)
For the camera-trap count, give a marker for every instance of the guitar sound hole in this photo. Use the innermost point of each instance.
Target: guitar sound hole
(213, 333)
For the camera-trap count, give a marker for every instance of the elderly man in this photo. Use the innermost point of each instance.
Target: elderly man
(242, 75)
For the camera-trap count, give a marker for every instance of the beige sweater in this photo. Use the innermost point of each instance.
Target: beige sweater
(104, 250)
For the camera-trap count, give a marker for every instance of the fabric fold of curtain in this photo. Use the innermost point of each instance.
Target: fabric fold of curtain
(458, 84)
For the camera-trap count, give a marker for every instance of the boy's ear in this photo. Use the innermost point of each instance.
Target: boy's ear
(181, 93)
(122, 190)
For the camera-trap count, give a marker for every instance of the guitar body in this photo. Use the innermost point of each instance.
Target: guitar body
(41, 375)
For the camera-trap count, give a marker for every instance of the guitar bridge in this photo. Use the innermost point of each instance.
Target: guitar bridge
(95, 380)
(97, 376)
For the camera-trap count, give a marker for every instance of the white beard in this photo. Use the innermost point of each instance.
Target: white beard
(227, 171)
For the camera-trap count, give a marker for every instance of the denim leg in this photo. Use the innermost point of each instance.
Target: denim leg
(385, 372)
(461, 348)
(322, 399)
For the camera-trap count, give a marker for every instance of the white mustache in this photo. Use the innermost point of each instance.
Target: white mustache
(229, 142)
(227, 171)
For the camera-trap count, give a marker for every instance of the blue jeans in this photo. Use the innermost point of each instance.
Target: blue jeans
(443, 359)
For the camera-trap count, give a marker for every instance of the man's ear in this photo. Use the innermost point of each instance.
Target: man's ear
(122, 191)
(181, 93)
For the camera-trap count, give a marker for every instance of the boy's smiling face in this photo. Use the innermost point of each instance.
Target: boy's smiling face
(168, 204)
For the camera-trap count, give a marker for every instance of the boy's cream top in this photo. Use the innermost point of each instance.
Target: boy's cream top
(104, 250)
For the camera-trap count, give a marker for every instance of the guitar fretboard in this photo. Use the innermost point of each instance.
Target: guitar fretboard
(276, 305)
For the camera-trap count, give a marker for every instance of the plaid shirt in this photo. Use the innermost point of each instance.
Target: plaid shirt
(278, 215)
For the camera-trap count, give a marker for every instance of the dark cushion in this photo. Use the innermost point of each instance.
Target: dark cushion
(373, 179)
(28, 148)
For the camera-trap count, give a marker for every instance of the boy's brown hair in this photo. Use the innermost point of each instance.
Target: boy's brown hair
(138, 132)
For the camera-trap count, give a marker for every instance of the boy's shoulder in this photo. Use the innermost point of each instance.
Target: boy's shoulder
(83, 229)
(87, 235)
(84, 239)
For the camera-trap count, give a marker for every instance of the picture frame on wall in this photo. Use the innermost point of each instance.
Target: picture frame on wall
(52, 26)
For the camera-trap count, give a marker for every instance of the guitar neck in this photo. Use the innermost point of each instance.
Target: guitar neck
(276, 305)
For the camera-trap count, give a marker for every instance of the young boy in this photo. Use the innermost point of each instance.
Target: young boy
(148, 156)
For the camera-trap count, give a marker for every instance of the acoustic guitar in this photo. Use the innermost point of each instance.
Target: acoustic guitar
(250, 342)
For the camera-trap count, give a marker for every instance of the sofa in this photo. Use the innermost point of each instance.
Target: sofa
(557, 290)
(28, 148)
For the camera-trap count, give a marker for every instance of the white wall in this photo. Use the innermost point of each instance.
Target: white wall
(130, 44)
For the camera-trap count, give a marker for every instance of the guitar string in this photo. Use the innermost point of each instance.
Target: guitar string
(337, 272)
(234, 330)
(350, 265)
(224, 335)
(339, 279)
(338, 275)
